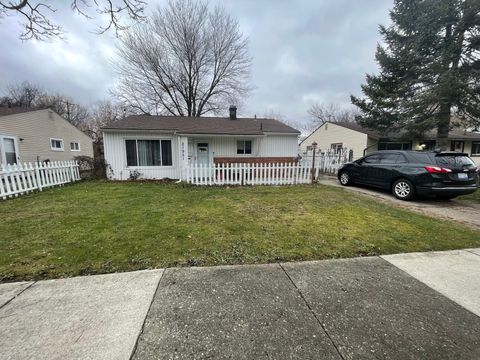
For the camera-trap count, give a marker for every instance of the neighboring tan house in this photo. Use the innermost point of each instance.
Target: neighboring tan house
(39, 135)
(362, 141)
(160, 147)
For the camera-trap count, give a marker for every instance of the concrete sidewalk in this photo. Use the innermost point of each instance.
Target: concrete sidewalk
(406, 306)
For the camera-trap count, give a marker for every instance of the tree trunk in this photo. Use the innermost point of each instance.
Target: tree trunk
(443, 127)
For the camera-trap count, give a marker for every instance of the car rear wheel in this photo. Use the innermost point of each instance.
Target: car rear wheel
(403, 189)
(345, 178)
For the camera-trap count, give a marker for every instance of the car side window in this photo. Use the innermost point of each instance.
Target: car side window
(389, 158)
(372, 159)
(402, 159)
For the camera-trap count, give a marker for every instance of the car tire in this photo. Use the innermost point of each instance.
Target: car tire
(345, 178)
(403, 189)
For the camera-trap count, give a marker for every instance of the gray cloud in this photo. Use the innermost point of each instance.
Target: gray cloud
(303, 51)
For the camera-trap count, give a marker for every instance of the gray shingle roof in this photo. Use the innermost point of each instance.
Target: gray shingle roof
(202, 125)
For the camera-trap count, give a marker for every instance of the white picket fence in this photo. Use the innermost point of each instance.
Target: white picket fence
(249, 174)
(329, 162)
(20, 179)
(301, 172)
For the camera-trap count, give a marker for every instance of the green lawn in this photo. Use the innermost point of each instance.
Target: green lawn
(475, 197)
(101, 227)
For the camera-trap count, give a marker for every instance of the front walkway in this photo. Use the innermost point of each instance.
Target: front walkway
(406, 306)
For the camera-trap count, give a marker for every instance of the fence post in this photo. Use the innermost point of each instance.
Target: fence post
(314, 149)
(39, 179)
(72, 174)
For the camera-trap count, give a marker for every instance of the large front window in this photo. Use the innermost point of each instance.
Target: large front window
(391, 145)
(149, 152)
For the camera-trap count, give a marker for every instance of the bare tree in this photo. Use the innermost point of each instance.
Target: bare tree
(320, 113)
(187, 61)
(103, 113)
(276, 115)
(38, 24)
(22, 94)
(65, 106)
(28, 95)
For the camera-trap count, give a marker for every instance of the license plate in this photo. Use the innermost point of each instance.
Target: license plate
(462, 176)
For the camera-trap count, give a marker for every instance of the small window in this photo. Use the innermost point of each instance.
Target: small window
(336, 147)
(74, 146)
(401, 159)
(244, 147)
(476, 148)
(389, 159)
(420, 158)
(56, 144)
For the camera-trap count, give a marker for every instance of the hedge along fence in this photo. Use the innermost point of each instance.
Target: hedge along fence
(21, 179)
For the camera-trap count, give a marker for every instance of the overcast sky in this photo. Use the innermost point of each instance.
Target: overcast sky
(303, 51)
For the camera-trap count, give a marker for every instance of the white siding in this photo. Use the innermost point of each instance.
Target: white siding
(116, 157)
(329, 134)
(115, 152)
(36, 128)
(262, 146)
(279, 146)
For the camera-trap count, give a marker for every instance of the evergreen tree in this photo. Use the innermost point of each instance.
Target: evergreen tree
(429, 69)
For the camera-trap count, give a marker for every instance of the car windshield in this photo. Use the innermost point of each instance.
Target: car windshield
(454, 160)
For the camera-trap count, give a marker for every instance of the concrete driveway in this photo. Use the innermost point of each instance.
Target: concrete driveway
(465, 212)
(406, 306)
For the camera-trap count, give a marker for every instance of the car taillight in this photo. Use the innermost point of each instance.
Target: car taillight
(437, 170)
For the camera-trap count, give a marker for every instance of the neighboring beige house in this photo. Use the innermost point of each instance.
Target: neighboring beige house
(338, 135)
(39, 135)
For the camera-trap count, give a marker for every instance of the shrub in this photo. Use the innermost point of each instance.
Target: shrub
(92, 168)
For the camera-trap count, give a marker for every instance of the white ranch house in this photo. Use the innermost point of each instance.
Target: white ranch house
(333, 136)
(158, 147)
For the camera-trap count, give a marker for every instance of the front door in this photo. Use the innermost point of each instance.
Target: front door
(203, 153)
(8, 150)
